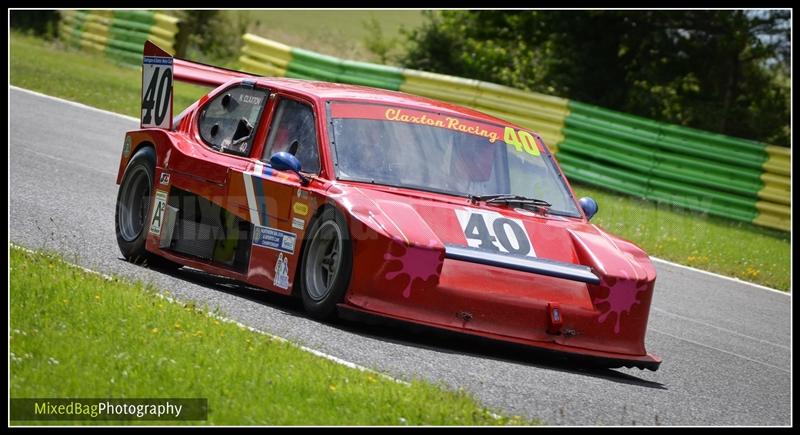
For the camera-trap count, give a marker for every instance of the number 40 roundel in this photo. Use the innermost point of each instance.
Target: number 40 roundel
(156, 92)
(491, 231)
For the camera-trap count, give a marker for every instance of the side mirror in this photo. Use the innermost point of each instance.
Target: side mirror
(589, 206)
(283, 161)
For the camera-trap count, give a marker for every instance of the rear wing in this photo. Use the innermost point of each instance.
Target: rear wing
(159, 69)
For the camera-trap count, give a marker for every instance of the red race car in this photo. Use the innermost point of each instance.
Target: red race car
(362, 200)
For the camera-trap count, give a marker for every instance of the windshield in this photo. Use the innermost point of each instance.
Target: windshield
(404, 147)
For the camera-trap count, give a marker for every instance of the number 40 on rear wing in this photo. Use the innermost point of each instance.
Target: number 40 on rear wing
(157, 67)
(160, 69)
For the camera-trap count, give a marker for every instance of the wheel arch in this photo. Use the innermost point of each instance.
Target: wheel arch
(145, 144)
(134, 142)
(303, 244)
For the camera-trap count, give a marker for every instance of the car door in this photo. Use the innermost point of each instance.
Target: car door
(279, 205)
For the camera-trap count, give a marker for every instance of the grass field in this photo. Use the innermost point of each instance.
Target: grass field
(77, 335)
(340, 33)
(719, 245)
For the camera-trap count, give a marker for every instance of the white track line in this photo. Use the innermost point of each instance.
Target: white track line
(687, 319)
(720, 350)
(242, 325)
(83, 106)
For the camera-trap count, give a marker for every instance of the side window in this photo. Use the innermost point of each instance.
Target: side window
(228, 123)
(293, 130)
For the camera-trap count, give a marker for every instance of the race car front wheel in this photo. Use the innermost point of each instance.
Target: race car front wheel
(133, 209)
(326, 264)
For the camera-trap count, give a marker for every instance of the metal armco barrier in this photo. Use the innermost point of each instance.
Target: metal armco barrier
(699, 170)
(118, 34)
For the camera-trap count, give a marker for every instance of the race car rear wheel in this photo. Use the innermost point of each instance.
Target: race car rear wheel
(133, 210)
(326, 264)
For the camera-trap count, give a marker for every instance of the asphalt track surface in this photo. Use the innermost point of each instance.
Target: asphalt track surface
(726, 345)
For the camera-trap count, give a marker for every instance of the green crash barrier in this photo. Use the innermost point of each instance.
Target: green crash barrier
(658, 164)
(310, 64)
(734, 178)
(680, 132)
(120, 35)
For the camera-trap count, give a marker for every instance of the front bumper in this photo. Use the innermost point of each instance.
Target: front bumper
(513, 306)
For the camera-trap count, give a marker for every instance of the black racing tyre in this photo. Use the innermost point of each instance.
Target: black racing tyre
(326, 264)
(133, 210)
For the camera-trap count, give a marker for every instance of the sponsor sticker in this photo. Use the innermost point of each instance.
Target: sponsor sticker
(158, 212)
(164, 178)
(126, 150)
(298, 223)
(274, 239)
(281, 272)
(300, 208)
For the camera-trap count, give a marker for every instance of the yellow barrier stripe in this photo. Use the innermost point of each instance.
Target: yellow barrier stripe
(524, 98)
(267, 46)
(772, 208)
(777, 181)
(439, 94)
(66, 32)
(771, 221)
(256, 67)
(167, 23)
(94, 34)
(773, 215)
(776, 188)
(92, 19)
(775, 195)
(253, 52)
(778, 160)
(96, 29)
(776, 166)
(463, 91)
(773, 150)
(91, 38)
(518, 108)
(162, 33)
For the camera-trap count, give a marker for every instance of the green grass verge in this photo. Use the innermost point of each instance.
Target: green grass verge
(75, 335)
(719, 245)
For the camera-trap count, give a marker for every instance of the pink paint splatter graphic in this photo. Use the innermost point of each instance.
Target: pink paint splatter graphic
(622, 296)
(418, 265)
